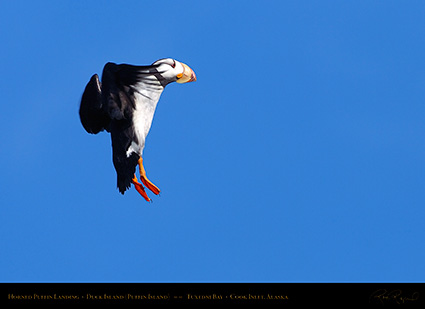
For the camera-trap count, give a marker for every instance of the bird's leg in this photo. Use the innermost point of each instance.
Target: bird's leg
(139, 188)
(145, 179)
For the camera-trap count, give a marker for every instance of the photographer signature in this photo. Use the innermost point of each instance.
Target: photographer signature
(393, 296)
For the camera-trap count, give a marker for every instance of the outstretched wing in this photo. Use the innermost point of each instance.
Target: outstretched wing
(121, 86)
(93, 116)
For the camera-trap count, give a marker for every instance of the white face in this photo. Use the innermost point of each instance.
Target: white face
(169, 68)
(175, 71)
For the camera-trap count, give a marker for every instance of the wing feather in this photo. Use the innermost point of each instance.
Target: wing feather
(93, 117)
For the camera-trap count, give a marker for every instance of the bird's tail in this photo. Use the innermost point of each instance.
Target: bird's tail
(125, 168)
(121, 135)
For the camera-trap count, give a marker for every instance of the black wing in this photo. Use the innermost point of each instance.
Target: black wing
(93, 117)
(118, 86)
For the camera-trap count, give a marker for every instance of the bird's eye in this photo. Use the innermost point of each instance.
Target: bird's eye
(174, 64)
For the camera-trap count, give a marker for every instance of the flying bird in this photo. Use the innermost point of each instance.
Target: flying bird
(123, 104)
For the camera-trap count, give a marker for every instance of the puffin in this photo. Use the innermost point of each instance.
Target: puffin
(123, 103)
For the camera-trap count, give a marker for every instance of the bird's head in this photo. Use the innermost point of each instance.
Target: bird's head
(174, 71)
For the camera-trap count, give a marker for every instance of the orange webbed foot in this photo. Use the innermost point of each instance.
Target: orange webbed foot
(155, 190)
(148, 184)
(139, 188)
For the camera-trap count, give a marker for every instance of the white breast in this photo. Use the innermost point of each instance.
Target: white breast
(146, 97)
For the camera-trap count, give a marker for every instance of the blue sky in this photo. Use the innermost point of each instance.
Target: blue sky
(297, 156)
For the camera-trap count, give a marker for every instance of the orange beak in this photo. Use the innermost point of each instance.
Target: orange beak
(187, 76)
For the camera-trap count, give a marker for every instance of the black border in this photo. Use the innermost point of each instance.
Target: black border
(380, 294)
